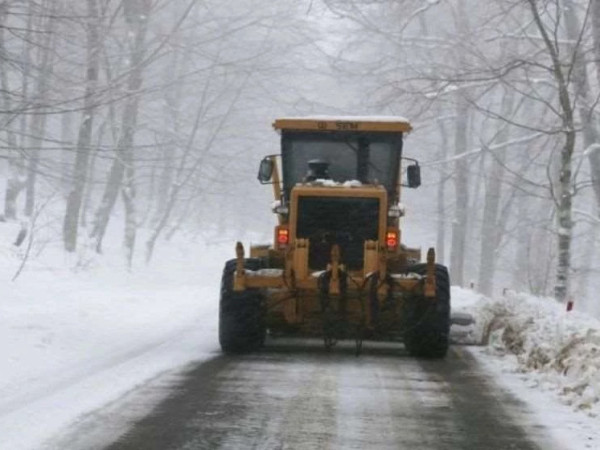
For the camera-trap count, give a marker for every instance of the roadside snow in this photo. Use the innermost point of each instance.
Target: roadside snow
(559, 351)
(75, 340)
(547, 357)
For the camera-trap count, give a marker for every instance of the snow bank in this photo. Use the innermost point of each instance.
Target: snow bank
(559, 351)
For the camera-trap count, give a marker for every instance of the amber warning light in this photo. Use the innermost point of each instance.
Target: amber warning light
(283, 237)
(391, 239)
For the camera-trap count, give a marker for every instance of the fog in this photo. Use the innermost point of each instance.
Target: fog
(152, 116)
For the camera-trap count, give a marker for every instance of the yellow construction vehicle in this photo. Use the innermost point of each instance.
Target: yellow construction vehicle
(336, 268)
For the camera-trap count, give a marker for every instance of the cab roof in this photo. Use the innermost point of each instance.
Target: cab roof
(391, 124)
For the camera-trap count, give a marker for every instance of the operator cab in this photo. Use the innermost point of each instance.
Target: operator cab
(366, 157)
(361, 150)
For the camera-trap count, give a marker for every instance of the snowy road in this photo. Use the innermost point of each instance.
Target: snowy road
(296, 395)
(87, 355)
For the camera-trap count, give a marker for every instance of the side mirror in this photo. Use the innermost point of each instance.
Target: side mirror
(265, 170)
(413, 173)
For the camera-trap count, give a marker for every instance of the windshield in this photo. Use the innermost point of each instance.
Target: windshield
(371, 158)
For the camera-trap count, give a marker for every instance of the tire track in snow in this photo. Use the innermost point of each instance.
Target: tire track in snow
(297, 396)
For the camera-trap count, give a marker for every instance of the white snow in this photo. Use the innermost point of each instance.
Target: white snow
(265, 272)
(592, 148)
(79, 333)
(374, 118)
(325, 182)
(549, 357)
(278, 207)
(331, 183)
(407, 276)
(74, 340)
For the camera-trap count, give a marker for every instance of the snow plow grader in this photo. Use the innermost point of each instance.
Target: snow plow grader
(336, 268)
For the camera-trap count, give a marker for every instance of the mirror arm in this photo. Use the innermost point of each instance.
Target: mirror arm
(276, 182)
(416, 161)
(274, 179)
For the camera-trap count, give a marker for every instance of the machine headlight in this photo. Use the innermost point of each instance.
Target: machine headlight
(278, 208)
(396, 210)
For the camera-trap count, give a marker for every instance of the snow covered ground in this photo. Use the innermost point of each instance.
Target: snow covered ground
(73, 340)
(78, 333)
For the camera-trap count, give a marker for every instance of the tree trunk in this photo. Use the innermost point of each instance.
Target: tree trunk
(489, 238)
(16, 180)
(87, 197)
(25, 88)
(111, 191)
(584, 97)
(37, 128)
(84, 140)
(136, 14)
(128, 193)
(564, 199)
(595, 13)
(461, 169)
(461, 184)
(565, 223)
(490, 229)
(38, 121)
(474, 208)
(440, 248)
(16, 164)
(67, 152)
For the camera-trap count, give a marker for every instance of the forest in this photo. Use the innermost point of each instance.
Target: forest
(152, 116)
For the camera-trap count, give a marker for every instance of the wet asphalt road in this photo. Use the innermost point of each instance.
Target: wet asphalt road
(295, 395)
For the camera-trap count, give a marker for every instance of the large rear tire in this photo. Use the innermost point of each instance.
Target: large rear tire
(241, 314)
(427, 321)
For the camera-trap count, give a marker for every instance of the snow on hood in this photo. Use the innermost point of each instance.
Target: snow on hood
(331, 183)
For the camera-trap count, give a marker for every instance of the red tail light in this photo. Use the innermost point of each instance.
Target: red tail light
(391, 239)
(282, 234)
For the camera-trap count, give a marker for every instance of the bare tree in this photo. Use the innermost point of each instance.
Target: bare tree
(84, 140)
(564, 194)
(461, 186)
(491, 231)
(585, 99)
(16, 162)
(121, 176)
(37, 128)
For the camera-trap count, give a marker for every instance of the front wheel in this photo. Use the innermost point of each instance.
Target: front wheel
(427, 321)
(241, 314)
